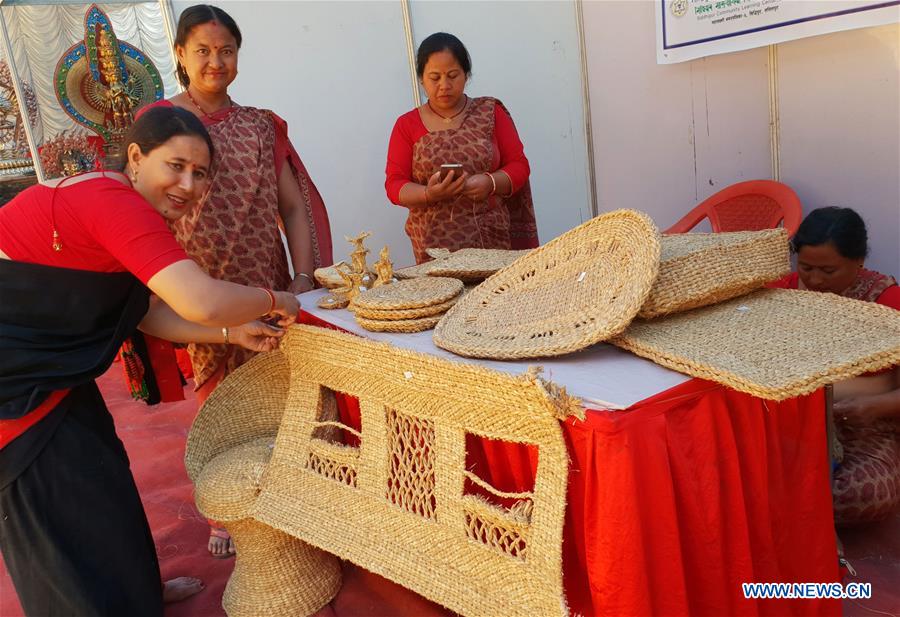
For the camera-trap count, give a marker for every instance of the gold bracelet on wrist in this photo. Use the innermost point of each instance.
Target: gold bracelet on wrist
(225, 334)
(307, 277)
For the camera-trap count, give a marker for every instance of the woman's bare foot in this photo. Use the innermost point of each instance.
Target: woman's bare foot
(220, 544)
(178, 589)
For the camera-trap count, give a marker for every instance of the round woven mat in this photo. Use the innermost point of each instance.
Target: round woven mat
(409, 294)
(399, 325)
(473, 264)
(416, 313)
(580, 288)
(328, 277)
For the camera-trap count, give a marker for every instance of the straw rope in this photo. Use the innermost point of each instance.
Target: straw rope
(399, 325)
(409, 294)
(774, 343)
(579, 289)
(700, 269)
(403, 487)
(426, 311)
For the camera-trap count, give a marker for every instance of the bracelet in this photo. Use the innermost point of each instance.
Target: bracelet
(427, 201)
(493, 183)
(225, 334)
(271, 295)
(307, 277)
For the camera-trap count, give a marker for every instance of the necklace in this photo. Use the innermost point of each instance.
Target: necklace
(446, 119)
(197, 105)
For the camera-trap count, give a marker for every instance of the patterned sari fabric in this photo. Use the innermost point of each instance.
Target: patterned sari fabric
(495, 223)
(867, 483)
(235, 235)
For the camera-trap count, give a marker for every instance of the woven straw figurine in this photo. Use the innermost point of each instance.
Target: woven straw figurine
(384, 269)
(353, 284)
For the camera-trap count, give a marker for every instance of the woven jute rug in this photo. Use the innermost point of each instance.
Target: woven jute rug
(580, 288)
(699, 269)
(410, 294)
(774, 343)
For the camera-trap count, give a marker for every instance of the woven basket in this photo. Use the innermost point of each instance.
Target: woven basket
(409, 294)
(399, 325)
(580, 288)
(700, 269)
(774, 343)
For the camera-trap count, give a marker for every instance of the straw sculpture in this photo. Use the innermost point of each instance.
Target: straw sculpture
(397, 503)
(700, 269)
(774, 343)
(580, 288)
(227, 455)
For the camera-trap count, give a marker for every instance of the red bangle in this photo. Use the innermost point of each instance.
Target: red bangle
(271, 295)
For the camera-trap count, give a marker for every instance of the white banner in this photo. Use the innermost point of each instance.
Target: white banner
(688, 29)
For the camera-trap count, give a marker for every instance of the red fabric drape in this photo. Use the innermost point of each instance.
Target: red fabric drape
(675, 502)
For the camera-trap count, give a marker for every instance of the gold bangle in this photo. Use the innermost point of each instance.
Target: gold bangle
(271, 295)
(225, 334)
(308, 278)
(493, 183)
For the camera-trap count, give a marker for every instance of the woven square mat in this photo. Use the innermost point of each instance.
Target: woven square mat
(774, 343)
(698, 269)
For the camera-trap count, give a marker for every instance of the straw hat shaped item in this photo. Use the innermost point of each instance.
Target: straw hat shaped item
(774, 343)
(328, 277)
(409, 294)
(698, 269)
(580, 288)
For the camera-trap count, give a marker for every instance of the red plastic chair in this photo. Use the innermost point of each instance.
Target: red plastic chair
(746, 206)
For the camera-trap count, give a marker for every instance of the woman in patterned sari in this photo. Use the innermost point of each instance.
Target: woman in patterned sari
(259, 185)
(831, 246)
(488, 204)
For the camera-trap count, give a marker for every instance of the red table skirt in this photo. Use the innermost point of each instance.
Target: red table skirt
(675, 502)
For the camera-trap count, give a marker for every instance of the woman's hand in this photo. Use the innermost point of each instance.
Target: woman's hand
(858, 410)
(451, 186)
(478, 187)
(255, 336)
(300, 284)
(286, 308)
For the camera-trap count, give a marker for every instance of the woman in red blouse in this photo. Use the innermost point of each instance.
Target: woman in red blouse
(78, 261)
(488, 204)
(831, 246)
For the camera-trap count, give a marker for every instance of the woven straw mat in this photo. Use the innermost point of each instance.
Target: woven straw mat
(580, 288)
(425, 311)
(399, 325)
(774, 343)
(409, 294)
(699, 269)
(473, 264)
(328, 277)
(413, 272)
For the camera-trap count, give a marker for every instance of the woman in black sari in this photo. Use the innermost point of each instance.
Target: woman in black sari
(79, 260)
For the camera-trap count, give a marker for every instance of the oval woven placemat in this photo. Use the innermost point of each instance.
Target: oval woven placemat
(399, 325)
(473, 264)
(773, 343)
(410, 294)
(328, 277)
(580, 288)
(416, 313)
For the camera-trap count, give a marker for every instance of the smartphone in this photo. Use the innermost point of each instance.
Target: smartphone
(447, 167)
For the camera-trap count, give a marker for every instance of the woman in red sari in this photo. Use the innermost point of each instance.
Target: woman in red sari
(831, 246)
(260, 185)
(488, 204)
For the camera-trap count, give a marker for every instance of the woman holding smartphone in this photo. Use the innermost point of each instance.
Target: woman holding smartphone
(457, 163)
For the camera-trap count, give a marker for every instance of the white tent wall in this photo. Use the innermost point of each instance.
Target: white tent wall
(667, 137)
(664, 137)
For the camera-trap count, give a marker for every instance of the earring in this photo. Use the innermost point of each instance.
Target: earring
(132, 175)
